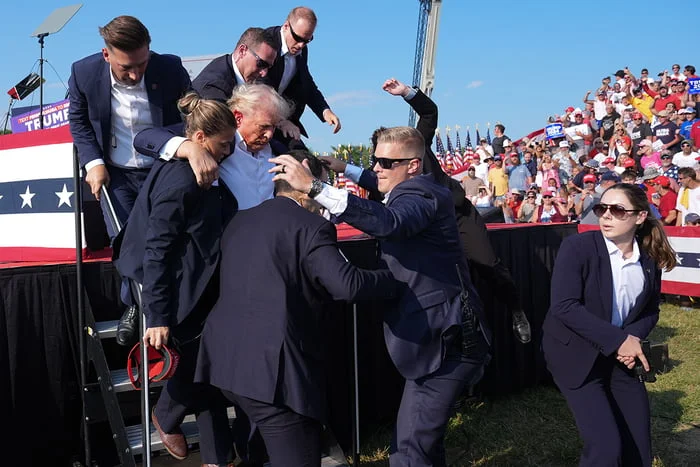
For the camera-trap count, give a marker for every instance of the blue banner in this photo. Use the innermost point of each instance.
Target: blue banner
(694, 86)
(554, 130)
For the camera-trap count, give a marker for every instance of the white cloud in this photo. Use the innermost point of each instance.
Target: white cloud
(351, 98)
(474, 84)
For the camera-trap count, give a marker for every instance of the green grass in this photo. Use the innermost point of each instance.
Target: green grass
(535, 427)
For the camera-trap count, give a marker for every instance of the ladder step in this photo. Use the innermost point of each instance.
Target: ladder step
(121, 383)
(188, 426)
(107, 329)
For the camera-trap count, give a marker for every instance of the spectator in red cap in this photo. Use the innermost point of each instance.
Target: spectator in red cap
(609, 163)
(584, 201)
(641, 131)
(580, 133)
(552, 209)
(665, 200)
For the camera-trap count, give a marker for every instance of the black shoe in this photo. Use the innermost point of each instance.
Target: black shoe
(128, 326)
(521, 326)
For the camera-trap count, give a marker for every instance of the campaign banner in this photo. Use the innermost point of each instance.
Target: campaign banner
(694, 86)
(37, 197)
(554, 130)
(55, 115)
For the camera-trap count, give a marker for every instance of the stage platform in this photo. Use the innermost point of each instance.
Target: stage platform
(39, 386)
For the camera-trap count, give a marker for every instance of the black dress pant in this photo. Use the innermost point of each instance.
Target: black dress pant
(292, 439)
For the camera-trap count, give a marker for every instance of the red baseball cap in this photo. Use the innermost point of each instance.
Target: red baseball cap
(569, 110)
(590, 178)
(663, 181)
(629, 163)
(609, 160)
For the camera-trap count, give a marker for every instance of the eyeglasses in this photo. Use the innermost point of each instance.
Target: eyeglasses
(684, 144)
(386, 163)
(618, 211)
(259, 62)
(530, 197)
(298, 38)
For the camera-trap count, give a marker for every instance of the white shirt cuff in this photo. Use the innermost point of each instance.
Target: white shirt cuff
(353, 172)
(411, 94)
(169, 149)
(93, 163)
(333, 199)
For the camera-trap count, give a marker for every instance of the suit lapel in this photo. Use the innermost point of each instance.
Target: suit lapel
(649, 269)
(604, 276)
(104, 98)
(154, 89)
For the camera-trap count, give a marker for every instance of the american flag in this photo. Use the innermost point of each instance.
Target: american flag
(488, 135)
(478, 138)
(439, 149)
(459, 154)
(469, 139)
(451, 156)
(37, 196)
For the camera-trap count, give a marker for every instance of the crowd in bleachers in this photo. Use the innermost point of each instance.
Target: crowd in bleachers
(637, 129)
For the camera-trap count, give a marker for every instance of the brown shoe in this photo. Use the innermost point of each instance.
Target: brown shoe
(174, 442)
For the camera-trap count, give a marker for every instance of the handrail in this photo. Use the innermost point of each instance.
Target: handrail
(136, 290)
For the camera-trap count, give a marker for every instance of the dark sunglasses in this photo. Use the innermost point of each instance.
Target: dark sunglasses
(685, 144)
(386, 163)
(259, 62)
(298, 38)
(530, 197)
(618, 211)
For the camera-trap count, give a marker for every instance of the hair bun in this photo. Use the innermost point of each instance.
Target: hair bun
(188, 103)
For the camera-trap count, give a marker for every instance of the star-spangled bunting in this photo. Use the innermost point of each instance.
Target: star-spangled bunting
(36, 196)
(440, 149)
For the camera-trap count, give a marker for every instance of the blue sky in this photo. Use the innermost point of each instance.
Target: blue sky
(509, 61)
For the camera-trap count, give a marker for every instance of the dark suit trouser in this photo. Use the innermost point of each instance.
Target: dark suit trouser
(612, 415)
(292, 439)
(124, 186)
(426, 406)
(181, 396)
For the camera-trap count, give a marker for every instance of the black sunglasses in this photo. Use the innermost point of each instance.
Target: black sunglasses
(618, 211)
(259, 62)
(685, 144)
(298, 38)
(386, 163)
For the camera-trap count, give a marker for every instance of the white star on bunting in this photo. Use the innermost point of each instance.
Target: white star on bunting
(27, 198)
(64, 196)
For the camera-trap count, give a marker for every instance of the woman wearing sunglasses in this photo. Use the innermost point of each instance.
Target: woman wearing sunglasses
(527, 212)
(552, 209)
(605, 300)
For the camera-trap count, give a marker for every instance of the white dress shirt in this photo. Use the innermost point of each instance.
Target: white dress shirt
(131, 113)
(628, 281)
(237, 72)
(245, 173)
(290, 65)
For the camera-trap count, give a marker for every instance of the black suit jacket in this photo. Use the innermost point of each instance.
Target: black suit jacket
(280, 265)
(170, 243)
(577, 328)
(217, 79)
(90, 111)
(302, 89)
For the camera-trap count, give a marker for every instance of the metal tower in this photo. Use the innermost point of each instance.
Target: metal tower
(426, 45)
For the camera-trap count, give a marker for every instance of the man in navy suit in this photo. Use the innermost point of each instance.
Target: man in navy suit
(251, 60)
(114, 95)
(280, 264)
(437, 336)
(291, 77)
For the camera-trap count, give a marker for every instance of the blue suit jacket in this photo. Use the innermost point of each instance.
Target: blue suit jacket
(280, 265)
(302, 89)
(420, 245)
(577, 328)
(90, 111)
(170, 243)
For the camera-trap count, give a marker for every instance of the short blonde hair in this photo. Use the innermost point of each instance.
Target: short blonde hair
(408, 138)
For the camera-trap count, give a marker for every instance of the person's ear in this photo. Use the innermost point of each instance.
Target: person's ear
(199, 137)
(414, 166)
(105, 54)
(641, 217)
(238, 116)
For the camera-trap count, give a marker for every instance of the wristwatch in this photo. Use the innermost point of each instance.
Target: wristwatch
(316, 188)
